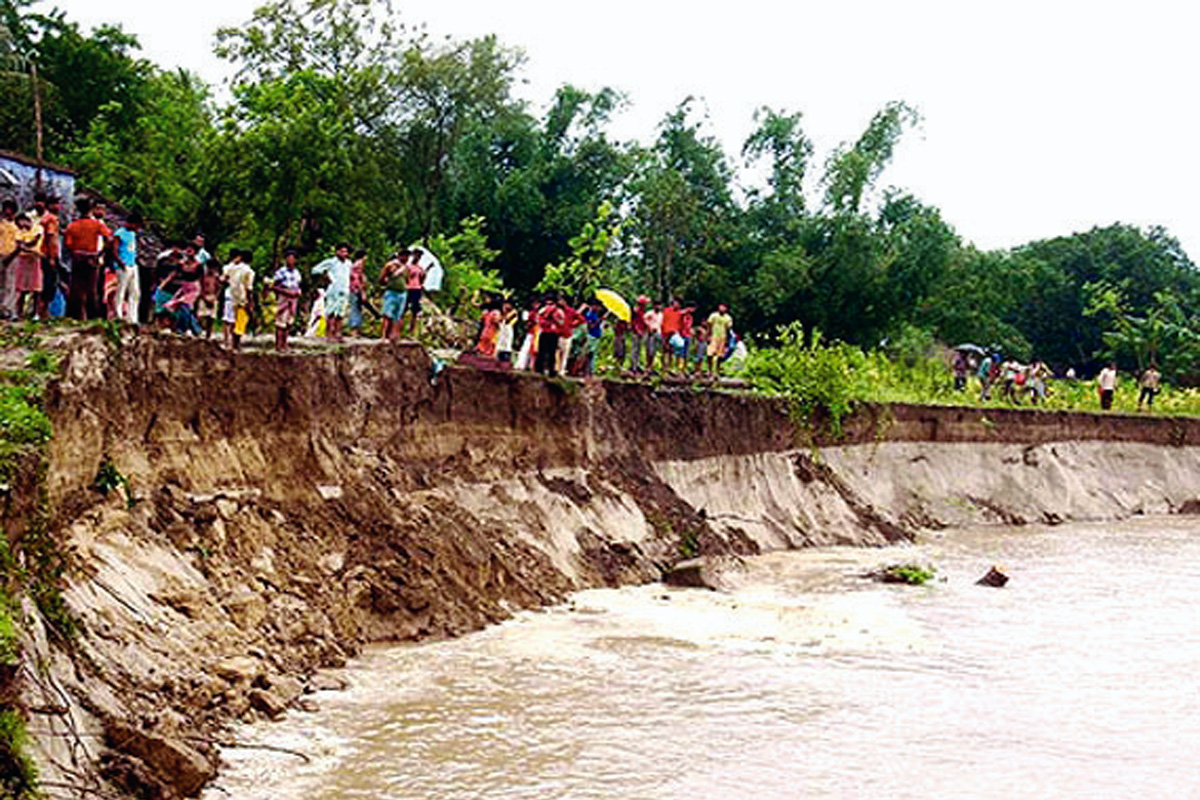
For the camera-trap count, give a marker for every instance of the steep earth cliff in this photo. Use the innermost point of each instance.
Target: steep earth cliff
(266, 516)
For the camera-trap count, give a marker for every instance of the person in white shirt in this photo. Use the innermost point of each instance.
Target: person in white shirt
(238, 276)
(337, 295)
(1106, 383)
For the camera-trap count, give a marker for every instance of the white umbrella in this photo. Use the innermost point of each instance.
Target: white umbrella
(432, 268)
(427, 259)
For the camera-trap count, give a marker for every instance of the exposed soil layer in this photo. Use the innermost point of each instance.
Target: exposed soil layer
(283, 511)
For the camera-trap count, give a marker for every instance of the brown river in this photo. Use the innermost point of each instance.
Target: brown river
(1078, 680)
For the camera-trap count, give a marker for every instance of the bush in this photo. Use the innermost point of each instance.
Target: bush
(835, 377)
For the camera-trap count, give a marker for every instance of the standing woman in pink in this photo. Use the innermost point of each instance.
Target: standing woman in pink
(27, 265)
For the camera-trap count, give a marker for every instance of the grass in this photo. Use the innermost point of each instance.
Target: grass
(18, 775)
(835, 378)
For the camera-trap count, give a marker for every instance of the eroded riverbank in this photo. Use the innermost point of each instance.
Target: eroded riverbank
(284, 512)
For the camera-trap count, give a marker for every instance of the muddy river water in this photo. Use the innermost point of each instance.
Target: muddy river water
(1078, 680)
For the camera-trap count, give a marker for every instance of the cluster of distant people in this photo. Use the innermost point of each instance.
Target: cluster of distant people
(553, 336)
(1010, 380)
(89, 270)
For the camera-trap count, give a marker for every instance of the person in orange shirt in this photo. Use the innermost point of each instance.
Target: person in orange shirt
(550, 321)
(50, 255)
(84, 239)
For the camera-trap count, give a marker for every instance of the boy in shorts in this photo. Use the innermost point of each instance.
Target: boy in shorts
(286, 286)
(394, 280)
(415, 276)
(210, 296)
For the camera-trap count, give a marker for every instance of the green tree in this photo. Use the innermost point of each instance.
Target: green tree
(682, 202)
(852, 169)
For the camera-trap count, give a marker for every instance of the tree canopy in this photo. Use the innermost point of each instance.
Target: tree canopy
(345, 122)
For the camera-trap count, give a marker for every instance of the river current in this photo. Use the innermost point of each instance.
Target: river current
(1078, 680)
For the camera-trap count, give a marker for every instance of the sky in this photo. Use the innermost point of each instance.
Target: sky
(1039, 118)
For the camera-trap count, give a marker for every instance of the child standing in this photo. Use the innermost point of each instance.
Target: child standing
(337, 295)
(286, 286)
(210, 294)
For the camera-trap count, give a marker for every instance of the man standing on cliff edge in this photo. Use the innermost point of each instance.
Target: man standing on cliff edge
(1106, 383)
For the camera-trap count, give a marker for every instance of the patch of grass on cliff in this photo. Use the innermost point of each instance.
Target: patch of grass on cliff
(10, 644)
(18, 775)
(25, 429)
(22, 420)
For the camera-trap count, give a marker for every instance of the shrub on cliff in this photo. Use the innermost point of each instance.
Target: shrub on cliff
(833, 377)
(812, 375)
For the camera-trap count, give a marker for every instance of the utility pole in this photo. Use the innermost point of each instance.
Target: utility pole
(37, 121)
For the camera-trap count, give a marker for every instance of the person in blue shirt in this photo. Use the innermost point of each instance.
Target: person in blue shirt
(129, 292)
(593, 317)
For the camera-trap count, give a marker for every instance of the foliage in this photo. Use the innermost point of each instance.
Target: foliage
(682, 199)
(831, 379)
(10, 646)
(22, 420)
(1164, 334)
(108, 478)
(588, 268)
(852, 170)
(812, 375)
(18, 774)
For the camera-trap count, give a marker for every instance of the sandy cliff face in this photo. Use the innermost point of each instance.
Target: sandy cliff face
(286, 510)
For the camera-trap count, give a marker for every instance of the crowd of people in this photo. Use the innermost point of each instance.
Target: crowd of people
(90, 269)
(553, 336)
(1010, 380)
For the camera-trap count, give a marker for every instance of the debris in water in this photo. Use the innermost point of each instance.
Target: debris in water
(995, 578)
(911, 574)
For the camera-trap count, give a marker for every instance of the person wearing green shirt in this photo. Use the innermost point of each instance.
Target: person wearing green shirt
(719, 325)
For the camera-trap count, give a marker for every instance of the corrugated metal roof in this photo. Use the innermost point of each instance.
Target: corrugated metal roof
(32, 162)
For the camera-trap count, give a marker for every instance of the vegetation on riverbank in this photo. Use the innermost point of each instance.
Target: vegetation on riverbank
(832, 378)
(31, 562)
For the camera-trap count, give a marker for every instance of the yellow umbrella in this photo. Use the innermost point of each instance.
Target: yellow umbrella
(614, 303)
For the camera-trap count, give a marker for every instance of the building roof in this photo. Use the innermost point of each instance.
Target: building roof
(32, 162)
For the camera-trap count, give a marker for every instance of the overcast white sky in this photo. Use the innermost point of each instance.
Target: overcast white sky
(1041, 117)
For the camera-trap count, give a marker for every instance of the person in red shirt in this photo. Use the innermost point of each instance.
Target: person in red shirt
(639, 330)
(550, 324)
(84, 239)
(572, 319)
(687, 322)
(671, 316)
